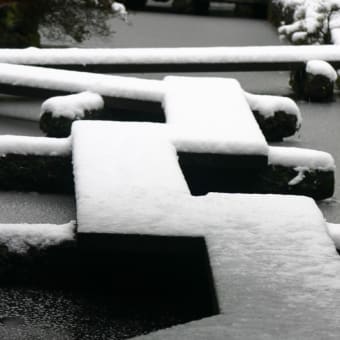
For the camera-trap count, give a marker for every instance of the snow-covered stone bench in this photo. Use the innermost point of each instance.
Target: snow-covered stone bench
(275, 268)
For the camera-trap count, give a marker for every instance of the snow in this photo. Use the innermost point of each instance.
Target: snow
(320, 67)
(297, 157)
(41, 146)
(268, 105)
(300, 176)
(72, 81)
(122, 169)
(127, 174)
(298, 37)
(310, 17)
(334, 25)
(334, 232)
(211, 115)
(275, 269)
(21, 237)
(73, 106)
(120, 10)
(177, 55)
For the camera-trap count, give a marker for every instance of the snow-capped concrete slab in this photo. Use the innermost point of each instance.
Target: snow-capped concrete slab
(276, 271)
(211, 115)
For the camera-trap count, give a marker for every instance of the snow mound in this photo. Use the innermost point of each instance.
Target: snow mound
(73, 106)
(20, 237)
(41, 146)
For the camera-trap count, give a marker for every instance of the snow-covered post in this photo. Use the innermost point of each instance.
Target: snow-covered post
(314, 82)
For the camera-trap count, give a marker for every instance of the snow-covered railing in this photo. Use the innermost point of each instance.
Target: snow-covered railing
(198, 59)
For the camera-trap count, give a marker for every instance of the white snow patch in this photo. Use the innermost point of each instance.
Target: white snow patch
(41, 146)
(268, 105)
(299, 177)
(211, 115)
(334, 25)
(20, 237)
(312, 17)
(73, 106)
(297, 157)
(320, 67)
(334, 232)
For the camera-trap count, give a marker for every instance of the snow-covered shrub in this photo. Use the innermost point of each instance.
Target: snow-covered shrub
(19, 238)
(58, 113)
(315, 82)
(304, 21)
(278, 117)
(297, 171)
(35, 164)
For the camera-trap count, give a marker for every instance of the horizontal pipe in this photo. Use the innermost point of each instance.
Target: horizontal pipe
(192, 59)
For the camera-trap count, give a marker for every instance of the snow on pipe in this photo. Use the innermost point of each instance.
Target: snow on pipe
(83, 56)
